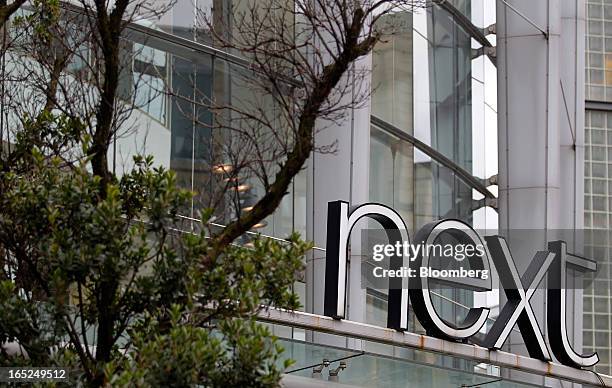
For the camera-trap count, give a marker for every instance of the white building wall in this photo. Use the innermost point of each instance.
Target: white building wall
(541, 149)
(341, 175)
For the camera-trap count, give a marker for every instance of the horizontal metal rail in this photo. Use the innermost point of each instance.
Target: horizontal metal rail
(476, 353)
(598, 105)
(250, 233)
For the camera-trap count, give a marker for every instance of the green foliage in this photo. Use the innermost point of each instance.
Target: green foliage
(238, 353)
(100, 278)
(45, 16)
(21, 319)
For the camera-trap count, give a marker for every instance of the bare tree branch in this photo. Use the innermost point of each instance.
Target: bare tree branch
(314, 43)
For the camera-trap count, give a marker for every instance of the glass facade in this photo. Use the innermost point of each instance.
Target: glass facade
(372, 370)
(427, 85)
(450, 87)
(598, 169)
(175, 87)
(598, 181)
(597, 205)
(171, 83)
(598, 74)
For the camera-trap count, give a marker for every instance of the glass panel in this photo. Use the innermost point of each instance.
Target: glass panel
(392, 73)
(450, 87)
(174, 87)
(370, 370)
(392, 173)
(598, 47)
(181, 123)
(597, 183)
(149, 81)
(203, 152)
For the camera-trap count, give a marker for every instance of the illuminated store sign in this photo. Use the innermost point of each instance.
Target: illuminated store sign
(519, 288)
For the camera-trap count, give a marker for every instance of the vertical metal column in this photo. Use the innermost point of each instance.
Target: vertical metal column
(342, 175)
(540, 63)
